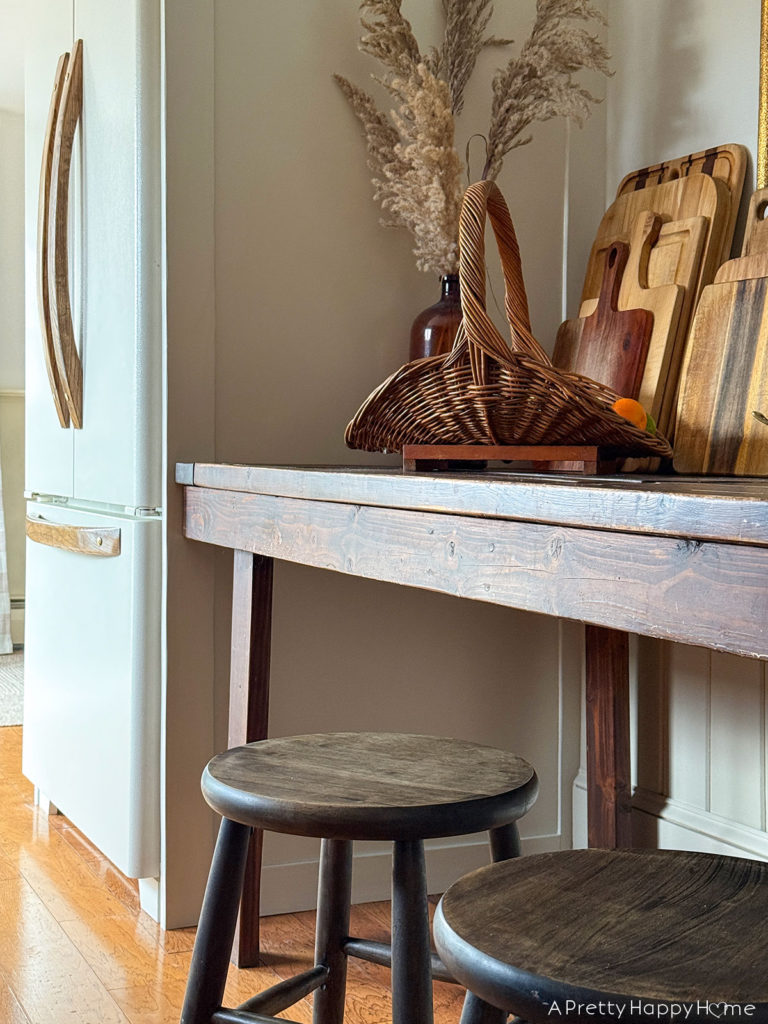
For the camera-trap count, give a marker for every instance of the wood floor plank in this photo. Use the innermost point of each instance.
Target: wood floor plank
(67, 886)
(180, 940)
(126, 890)
(122, 954)
(7, 869)
(48, 975)
(10, 1009)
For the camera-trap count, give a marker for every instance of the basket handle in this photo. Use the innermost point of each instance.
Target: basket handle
(483, 340)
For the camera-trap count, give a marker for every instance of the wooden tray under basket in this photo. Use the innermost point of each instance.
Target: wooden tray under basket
(581, 458)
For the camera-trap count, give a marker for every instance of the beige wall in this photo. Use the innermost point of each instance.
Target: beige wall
(687, 78)
(313, 305)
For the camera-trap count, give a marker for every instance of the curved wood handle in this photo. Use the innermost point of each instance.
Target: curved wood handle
(64, 349)
(83, 540)
(43, 210)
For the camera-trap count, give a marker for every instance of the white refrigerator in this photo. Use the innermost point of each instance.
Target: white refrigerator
(94, 294)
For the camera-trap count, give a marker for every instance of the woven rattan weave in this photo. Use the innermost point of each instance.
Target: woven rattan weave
(485, 391)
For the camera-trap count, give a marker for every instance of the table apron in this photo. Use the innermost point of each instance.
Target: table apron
(709, 593)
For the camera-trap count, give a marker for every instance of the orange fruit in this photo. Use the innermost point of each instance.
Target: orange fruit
(631, 410)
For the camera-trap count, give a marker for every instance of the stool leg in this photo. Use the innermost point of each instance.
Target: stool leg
(411, 974)
(334, 895)
(477, 1012)
(213, 942)
(505, 844)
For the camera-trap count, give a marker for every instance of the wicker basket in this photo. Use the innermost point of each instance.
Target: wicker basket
(484, 391)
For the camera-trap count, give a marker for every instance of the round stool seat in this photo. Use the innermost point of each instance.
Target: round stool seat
(369, 786)
(551, 936)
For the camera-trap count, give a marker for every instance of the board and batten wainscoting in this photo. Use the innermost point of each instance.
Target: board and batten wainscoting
(699, 751)
(699, 718)
(12, 466)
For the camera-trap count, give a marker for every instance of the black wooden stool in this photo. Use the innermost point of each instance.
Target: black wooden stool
(611, 935)
(342, 787)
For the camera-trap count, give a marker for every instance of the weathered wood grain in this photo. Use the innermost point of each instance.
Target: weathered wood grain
(680, 589)
(594, 925)
(700, 509)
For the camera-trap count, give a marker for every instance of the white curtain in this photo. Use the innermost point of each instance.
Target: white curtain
(6, 644)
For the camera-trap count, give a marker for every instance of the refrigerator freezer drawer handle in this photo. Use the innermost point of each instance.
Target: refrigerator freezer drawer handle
(83, 540)
(64, 348)
(43, 210)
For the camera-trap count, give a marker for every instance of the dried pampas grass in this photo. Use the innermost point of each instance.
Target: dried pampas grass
(417, 171)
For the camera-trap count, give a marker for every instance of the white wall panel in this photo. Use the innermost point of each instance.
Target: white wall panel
(737, 740)
(688, 681)
(650, 734)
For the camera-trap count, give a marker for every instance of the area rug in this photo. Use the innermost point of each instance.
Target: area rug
(11, 688)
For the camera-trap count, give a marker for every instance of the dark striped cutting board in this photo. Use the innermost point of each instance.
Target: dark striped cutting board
(725, 372)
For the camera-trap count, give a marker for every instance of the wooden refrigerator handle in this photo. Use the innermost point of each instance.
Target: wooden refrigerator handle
(64, 348)
(43, 210)
(83, 540)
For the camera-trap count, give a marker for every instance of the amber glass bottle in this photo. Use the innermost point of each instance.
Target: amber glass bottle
(435, 328)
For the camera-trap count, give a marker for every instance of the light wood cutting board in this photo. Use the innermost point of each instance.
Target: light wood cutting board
(754, 255)
(725, 372)
(695, 196)
(727, 162)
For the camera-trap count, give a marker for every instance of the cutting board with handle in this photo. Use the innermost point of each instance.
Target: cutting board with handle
(665, 301)
(753, 261)
(675, 257)
(610, 345)
(725, 371)
(697, 195)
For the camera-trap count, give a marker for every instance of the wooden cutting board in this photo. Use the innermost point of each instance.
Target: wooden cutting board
(610, 345)
(697, 195)
(728, 163)
(674, 257)
(665, 301)
(725, 371)
(753, 261)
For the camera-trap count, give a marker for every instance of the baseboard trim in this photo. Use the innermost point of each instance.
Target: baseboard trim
(17, 622)
(287, 888)
(660, 820)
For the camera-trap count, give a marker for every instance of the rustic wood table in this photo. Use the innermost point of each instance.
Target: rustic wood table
(679, 558)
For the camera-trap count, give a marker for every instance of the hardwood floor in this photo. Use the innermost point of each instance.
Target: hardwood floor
(75, 945)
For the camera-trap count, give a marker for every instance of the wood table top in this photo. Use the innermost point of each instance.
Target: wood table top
(701, 508)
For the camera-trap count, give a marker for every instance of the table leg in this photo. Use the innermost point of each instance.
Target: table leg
(248, 714)
(608, 752)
